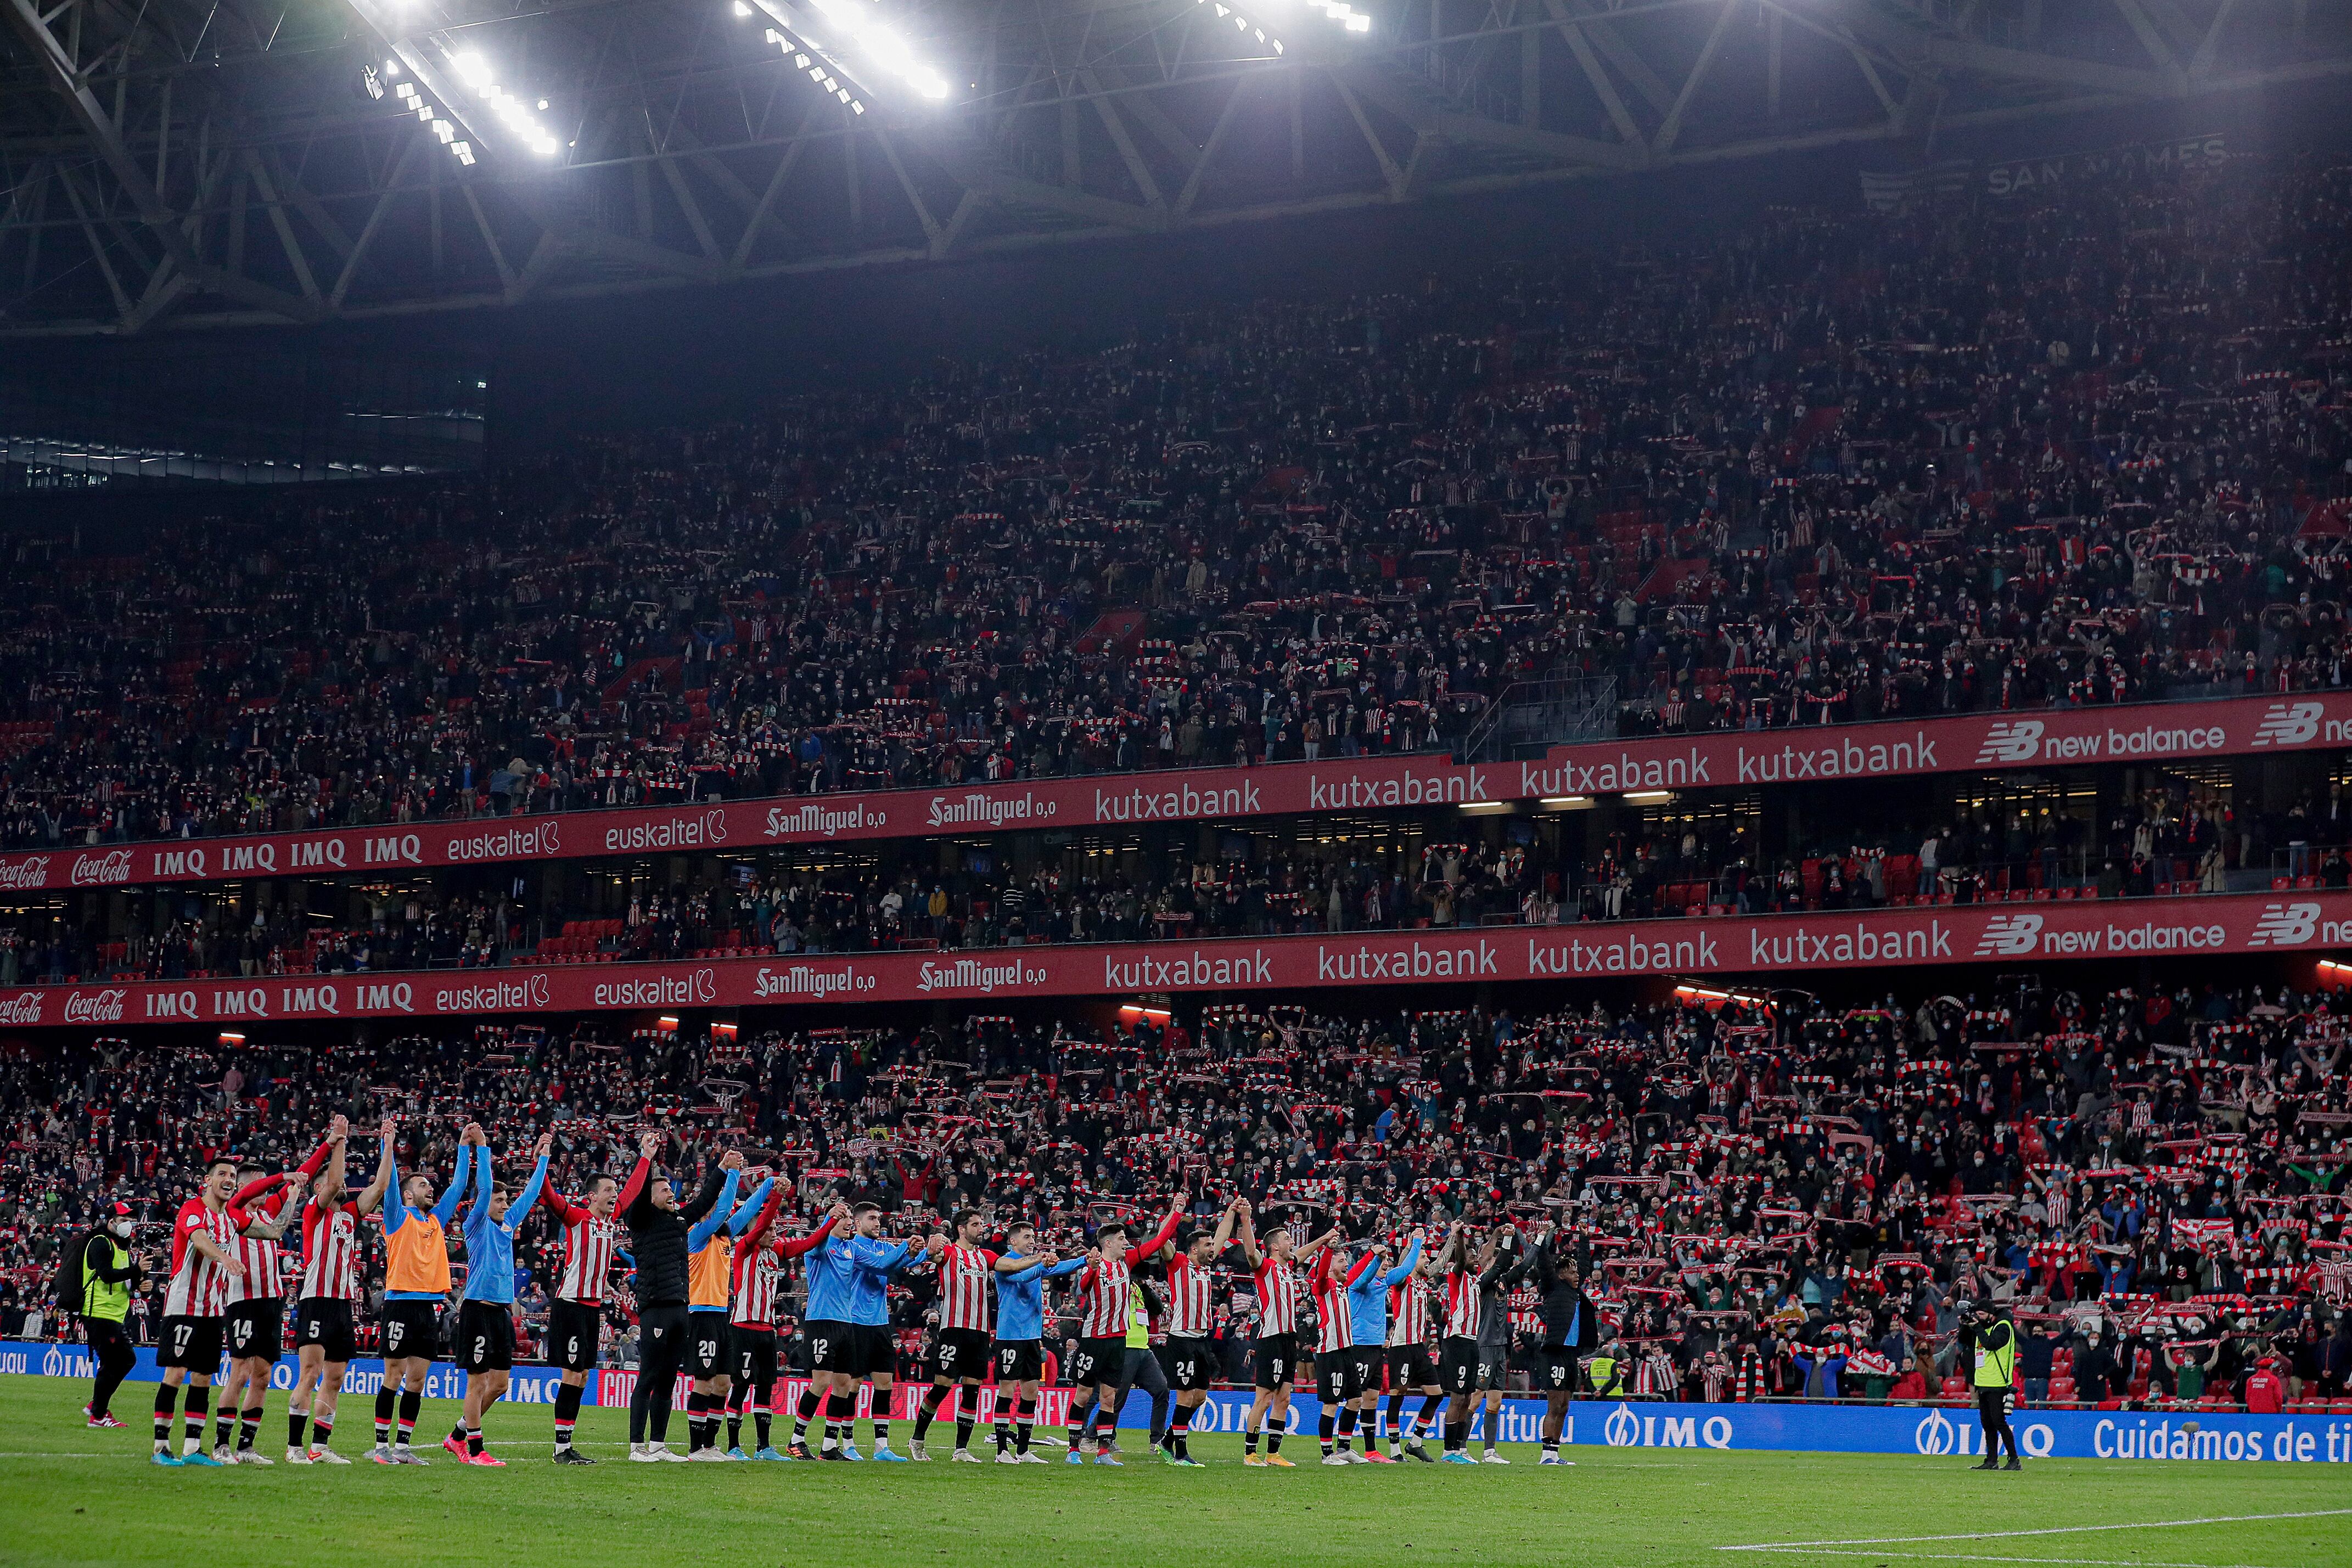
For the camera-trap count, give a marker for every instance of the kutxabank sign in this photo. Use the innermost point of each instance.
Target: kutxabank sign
(1962, 743)
(1724, 946)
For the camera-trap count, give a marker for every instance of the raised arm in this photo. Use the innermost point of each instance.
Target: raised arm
(258, 1189)
(755, 1231)
(718, 1181)
(752, 1207)
(478, 1211)
(563, 1208)
(1225, 1235)
(520, 1207)
(336, 1161)
(329, 1146)
(1363, 1266)
(1246, 1235)
(793, 1246)
(386, 1186)
(1407, 1264)
(446, 1209)
(636, 1206)
(1159, 1237)
(717, 1206)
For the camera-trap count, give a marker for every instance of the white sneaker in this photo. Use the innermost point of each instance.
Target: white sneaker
(1339, 1460)
(327, 1456)
(1353, 1457)
(1033, 1457)
(663, 1454)
(966, 1457)
(640, 1455)
(297, 1457)
(706, 1455)
(405, 1455)
(1008, 1458)
(1492, 1457)
(915, 1454)
(249, 1456)
(223, 1453)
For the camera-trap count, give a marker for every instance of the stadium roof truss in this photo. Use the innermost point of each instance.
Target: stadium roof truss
(181, 164)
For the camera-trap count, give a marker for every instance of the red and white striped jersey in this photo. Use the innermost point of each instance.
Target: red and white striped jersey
(1333, 1330)
(1102, 1298)
(1461, 1304)
(199, 1286)
(1278, 1297)
(759, 1273)
(1190, 1288)
(1409, 1314)
(588, 1246)
(262, 1257)
(967, 1288)
(330, 1251)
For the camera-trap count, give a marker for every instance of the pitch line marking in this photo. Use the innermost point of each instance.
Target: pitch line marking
(1980, 1557)
(2052, 1529)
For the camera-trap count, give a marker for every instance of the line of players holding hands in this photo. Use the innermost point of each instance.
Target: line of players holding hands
(709, 1270)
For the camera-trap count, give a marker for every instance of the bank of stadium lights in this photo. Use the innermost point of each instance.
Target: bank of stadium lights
(443, 131)
(512, 112)
(1347, 17)
(804, 59)
(881, 43)
(874, 38)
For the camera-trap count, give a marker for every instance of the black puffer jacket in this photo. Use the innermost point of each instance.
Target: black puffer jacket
(657, 1235)
(1563, 1305)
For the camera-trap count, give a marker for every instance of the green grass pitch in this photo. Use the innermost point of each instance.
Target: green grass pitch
(68, 1495)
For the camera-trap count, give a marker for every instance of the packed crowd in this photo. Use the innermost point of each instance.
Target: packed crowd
(1842, 466)
(1766, 1202)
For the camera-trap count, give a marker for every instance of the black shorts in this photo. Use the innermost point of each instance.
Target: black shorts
(411, 1330)
(255, 1329)
(1277, 1355)
(1020, 1360)
(877, 1348)
(1098, 1362)
(960, 1353)
(326, 1321)
(1193, 1364)
(572, 1334)
(706, 1344)
(1341, 1374)
(191, 1343)
(1558, 1370)
(485, 1336)
(1462, 1369)
(1410, 1366)
(752, 1355)
(834, 1346)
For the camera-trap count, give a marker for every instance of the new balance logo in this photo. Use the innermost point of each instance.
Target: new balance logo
(2011, 740)
(2012, 935)
(2285, 925)
(2288, 723)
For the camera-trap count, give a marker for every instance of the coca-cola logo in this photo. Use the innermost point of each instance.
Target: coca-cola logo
(23, 1008)
(96, 1006)
(33, 870)
(90, 871)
